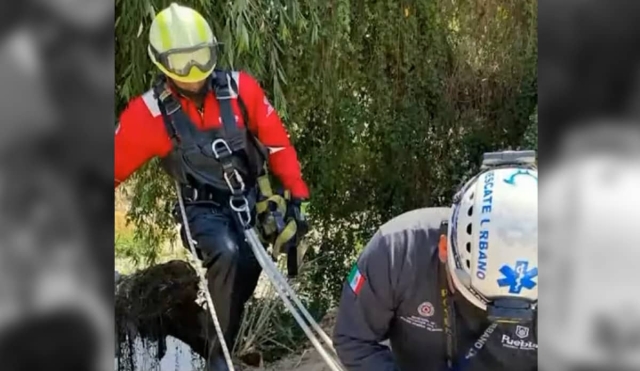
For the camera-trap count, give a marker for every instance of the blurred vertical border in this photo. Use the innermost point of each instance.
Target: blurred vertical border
(56, 160)
(589, 166)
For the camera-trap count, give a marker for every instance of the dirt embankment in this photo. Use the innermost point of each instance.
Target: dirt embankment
(308, 360)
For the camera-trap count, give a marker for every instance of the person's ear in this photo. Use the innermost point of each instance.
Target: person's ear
(443, 242)
(442, 248)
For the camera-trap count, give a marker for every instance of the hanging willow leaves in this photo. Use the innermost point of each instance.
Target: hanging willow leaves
(389, 103)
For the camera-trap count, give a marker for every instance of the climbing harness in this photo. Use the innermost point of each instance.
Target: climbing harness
(197, 155)
(213, 158)
(237, 159)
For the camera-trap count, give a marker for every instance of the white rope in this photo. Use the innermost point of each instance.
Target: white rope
(292, 294)
(203, 281)
(272, 273)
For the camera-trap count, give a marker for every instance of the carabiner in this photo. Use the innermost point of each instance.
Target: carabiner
(244, 214)
(238, 179)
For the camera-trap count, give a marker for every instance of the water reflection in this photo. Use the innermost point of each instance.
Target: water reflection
(177, 357)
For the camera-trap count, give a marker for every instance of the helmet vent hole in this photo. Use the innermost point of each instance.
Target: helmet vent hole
(471, 195)
(469, 247)
(468, 263)
(470, 211)
(469, 229)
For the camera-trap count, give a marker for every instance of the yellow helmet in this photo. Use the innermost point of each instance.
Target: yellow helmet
(182, 44)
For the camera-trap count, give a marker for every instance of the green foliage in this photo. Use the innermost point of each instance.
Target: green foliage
(390, 104)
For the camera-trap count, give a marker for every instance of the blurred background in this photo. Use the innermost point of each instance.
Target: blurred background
(590, 176)
(56, 254)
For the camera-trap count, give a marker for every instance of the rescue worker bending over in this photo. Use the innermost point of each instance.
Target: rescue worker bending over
(214, 131)
(450, 288)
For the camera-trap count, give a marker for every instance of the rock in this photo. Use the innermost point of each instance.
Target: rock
(160, 301)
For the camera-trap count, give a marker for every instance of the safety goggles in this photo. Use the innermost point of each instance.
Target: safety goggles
(181, 61)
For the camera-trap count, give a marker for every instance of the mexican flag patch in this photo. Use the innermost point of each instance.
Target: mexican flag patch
(356, 279)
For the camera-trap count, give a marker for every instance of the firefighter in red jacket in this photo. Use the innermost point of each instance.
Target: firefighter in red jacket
(214, 131)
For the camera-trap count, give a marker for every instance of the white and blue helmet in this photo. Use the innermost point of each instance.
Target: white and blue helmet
(493, 236)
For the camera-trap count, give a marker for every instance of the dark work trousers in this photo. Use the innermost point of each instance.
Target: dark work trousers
(232, 269)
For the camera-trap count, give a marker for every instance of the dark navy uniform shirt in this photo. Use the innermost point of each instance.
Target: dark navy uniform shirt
(398, 299)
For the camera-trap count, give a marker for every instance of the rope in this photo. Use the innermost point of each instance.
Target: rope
(272, 273)
(203, 281)
(292, 294)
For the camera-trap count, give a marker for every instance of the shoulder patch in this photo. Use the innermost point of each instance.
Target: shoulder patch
(355, 279)
(151, 102)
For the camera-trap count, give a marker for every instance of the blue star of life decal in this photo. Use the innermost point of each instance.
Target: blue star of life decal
(518, 278)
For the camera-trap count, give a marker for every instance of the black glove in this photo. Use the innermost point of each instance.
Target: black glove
(296, 250)
(295, 212)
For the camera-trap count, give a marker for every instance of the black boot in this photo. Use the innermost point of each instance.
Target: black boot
(217, 362)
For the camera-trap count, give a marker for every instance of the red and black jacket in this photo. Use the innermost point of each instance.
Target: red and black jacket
(142, 135)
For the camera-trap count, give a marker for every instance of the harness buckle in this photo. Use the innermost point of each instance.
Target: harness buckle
(215, 147)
